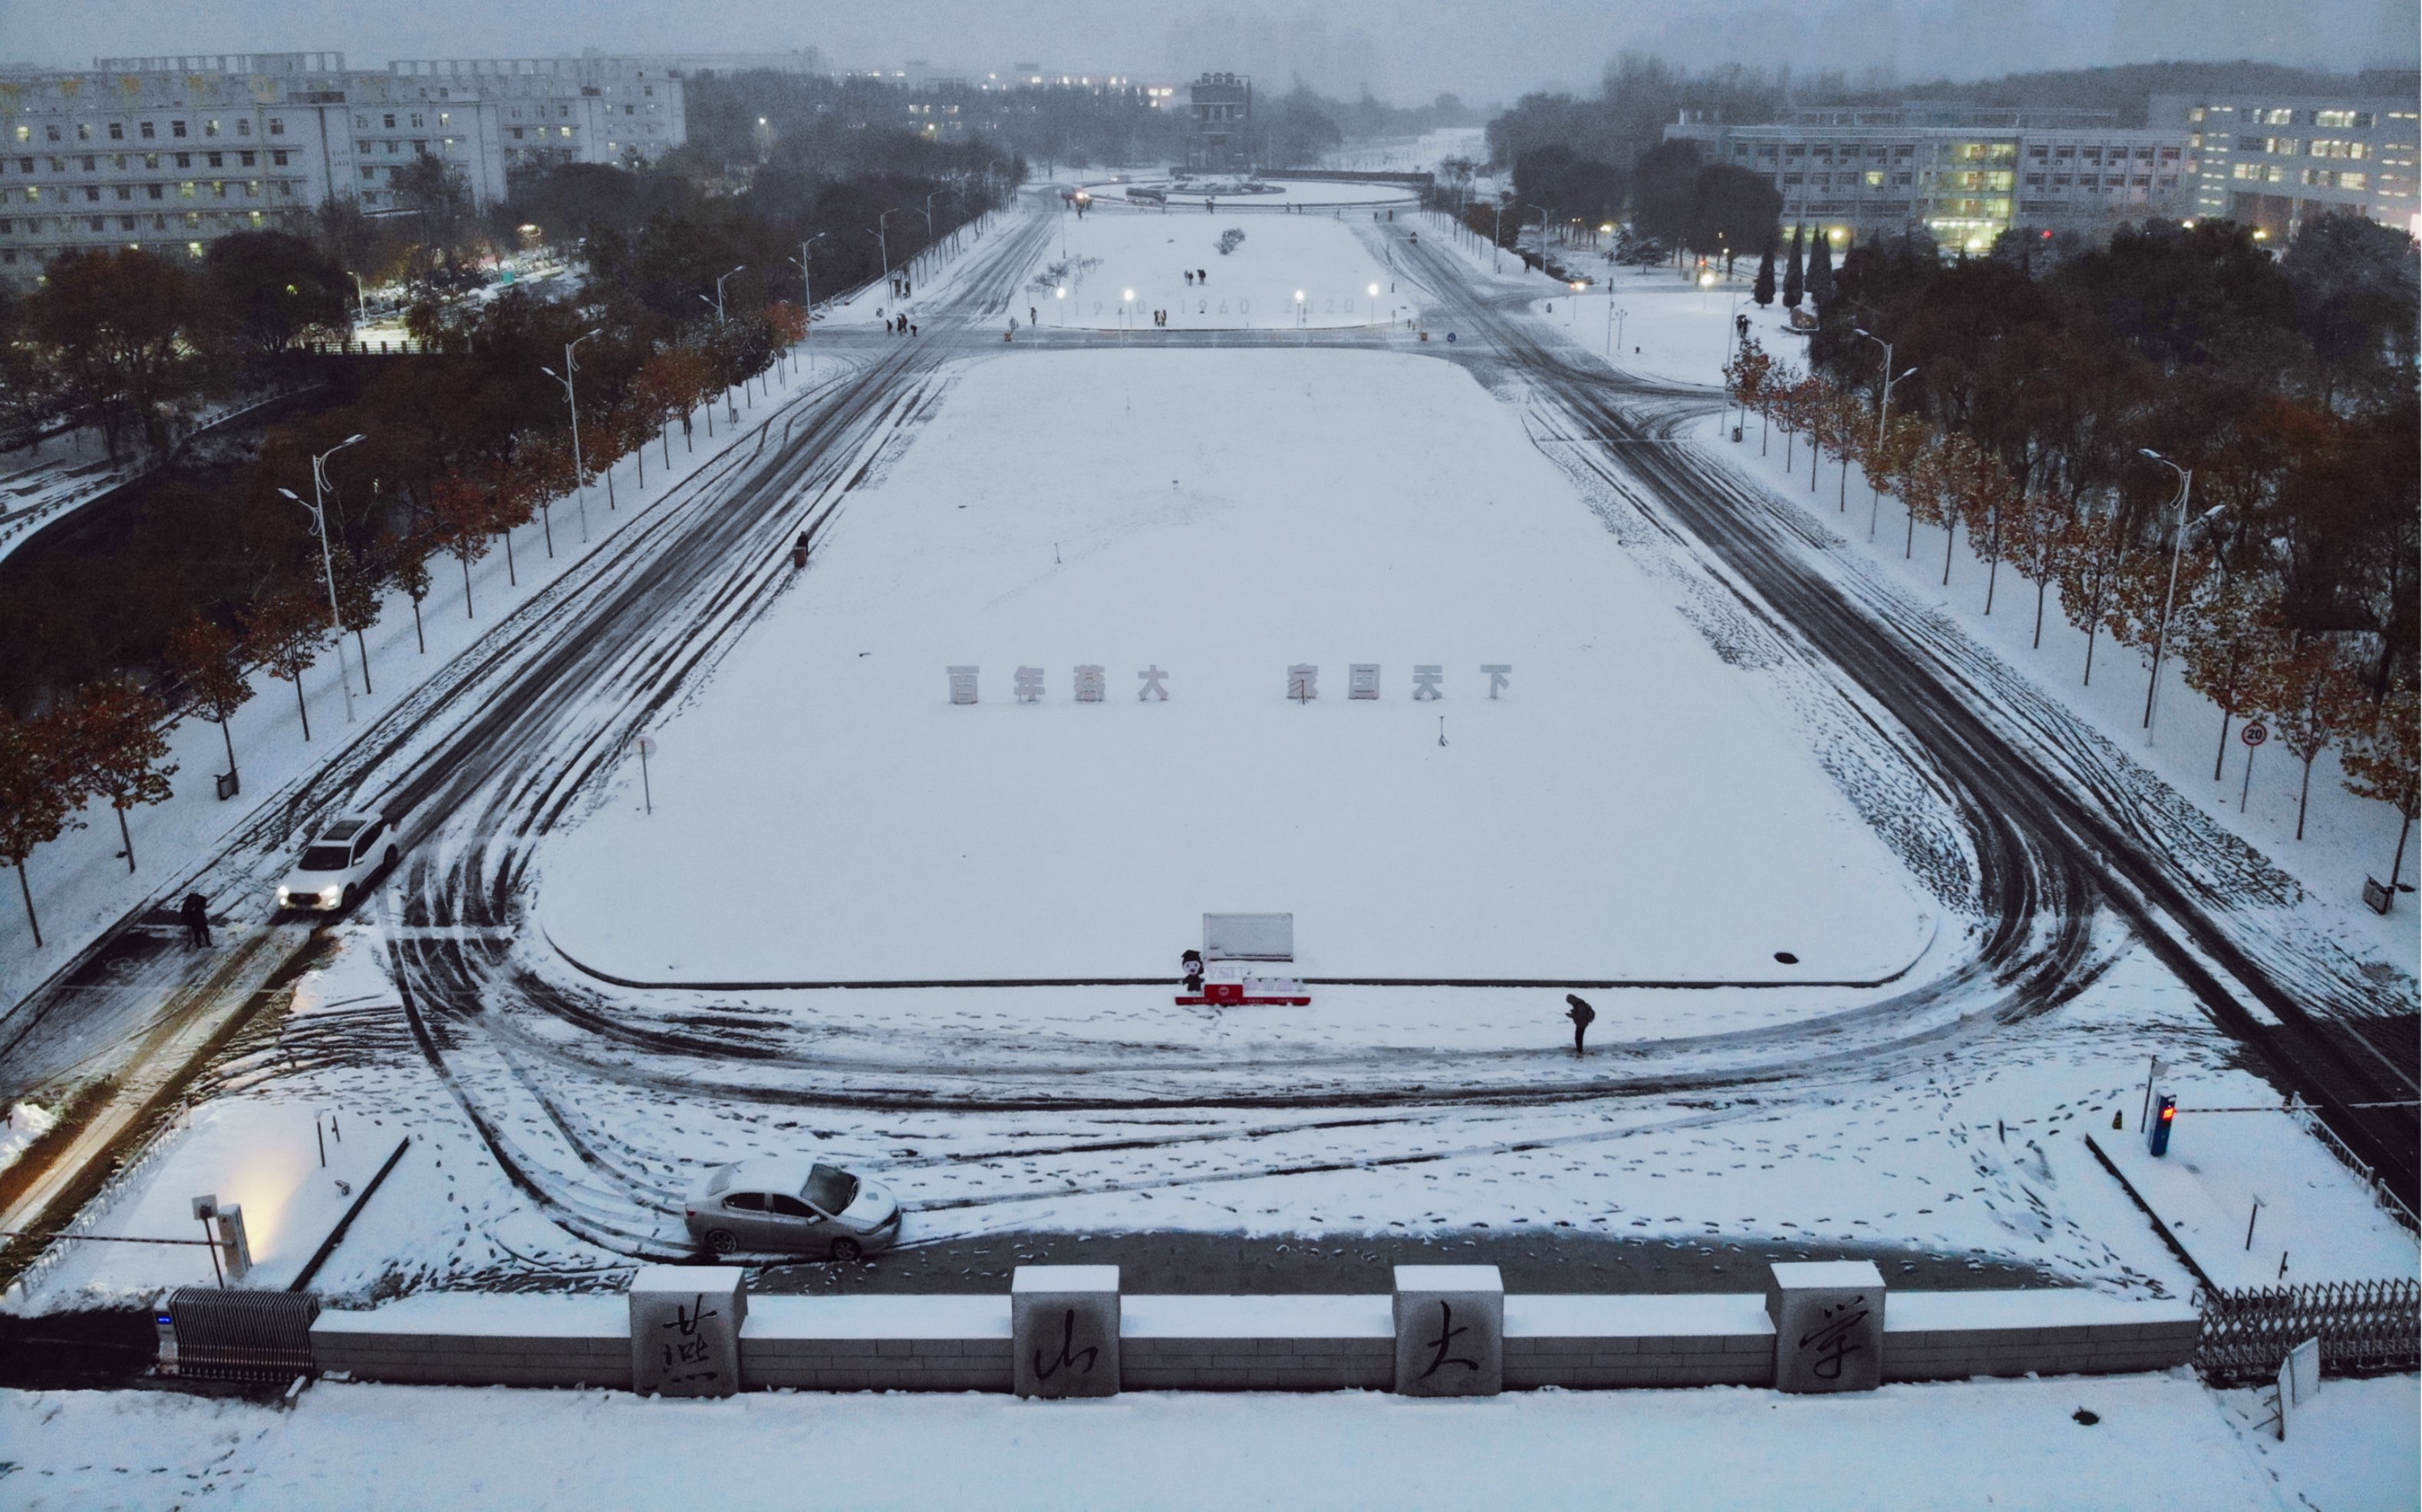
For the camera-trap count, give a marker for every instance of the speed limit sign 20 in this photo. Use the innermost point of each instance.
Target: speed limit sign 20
(2255, 732)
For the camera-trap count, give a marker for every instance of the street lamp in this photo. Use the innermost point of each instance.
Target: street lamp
(1060, 293)
(360, 299)
(808, 293)
(1574, 318)
(1883, 410)
(883, 242)
(718, 300)
(1299, 310)
(1615, 319)
(2178, 549)
(328, 562)
(579, 472)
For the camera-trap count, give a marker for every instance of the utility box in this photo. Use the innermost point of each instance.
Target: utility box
(2157, 1135)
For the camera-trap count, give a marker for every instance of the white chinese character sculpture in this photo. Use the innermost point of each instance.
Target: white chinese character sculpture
(1090, 683)
(1029, 685)
(1362, 680)
(1151, 688)
(1425, 682)
(1303, 683)
(962, 684)
(1498, 673)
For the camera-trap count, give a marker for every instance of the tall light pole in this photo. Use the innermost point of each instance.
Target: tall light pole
(1615, 319)
(579, 472)
(360, 299)
(327, 561)
(883, 242)
(718, 300)
(2178, 549)
(808, 293)
(1883, 412)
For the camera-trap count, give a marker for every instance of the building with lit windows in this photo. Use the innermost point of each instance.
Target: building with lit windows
(555, 110)
(171, 153)
(1964, 175)
(2274, 163)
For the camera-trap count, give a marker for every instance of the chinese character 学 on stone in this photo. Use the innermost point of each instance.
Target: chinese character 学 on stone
(1498, 673)
(1303, 683)
(1090, 683)
(1362, 680)
(1029, 684)
(1425, 682)
(962, 684)
(1152, 678)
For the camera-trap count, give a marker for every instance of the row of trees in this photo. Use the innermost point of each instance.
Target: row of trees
(106, 738)
(2287, 595)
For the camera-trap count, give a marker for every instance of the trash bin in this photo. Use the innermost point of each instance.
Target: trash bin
(229, 785)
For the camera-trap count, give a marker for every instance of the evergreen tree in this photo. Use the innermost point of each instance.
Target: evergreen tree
(1820, 271)
(1763, 290)
(1792, 277)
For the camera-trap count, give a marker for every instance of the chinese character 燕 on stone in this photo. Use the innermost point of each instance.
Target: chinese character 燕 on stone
(1090, 683)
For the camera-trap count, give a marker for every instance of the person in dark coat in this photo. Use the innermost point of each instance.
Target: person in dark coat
(196, 911)
(1583, 1016)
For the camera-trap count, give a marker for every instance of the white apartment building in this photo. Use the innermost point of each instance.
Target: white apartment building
(555, 110)
(169, 153)
(1964, 175)
(2275, 162)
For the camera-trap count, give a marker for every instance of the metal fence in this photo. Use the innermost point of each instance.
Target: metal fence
(232, 1334)
(2365, 1327)
(2382, 1192)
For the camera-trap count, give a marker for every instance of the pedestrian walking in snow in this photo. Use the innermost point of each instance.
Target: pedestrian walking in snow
(1030, 316)
(1583, 1016)
(196, 911)
(1203, 276)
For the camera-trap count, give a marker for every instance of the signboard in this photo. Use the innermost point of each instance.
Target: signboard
(2255, 733)
(1268, 936)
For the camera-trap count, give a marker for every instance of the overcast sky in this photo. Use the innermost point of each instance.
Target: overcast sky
(1405, 50)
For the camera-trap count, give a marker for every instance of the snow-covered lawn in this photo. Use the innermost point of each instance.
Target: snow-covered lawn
(1630, 808)
(2068, 1444)
(1125, 264)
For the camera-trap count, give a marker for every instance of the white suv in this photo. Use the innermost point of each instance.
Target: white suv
(338, 860)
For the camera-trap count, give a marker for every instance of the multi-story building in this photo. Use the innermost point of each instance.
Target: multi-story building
(169, 153)
(1221, 138)
(557, 110)
(2275, 162)
(1964, 175)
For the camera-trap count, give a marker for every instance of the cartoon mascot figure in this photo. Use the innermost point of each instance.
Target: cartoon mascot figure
(1192, 962)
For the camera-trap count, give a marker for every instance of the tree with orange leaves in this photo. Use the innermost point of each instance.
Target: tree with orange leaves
(461, 521)
(118, 745)
(2302, 688)
(2381, 756)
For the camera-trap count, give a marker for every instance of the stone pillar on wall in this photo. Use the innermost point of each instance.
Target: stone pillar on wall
(685, 1329)
(1829, 1325)
(1450, 1330)
(1064, 1323)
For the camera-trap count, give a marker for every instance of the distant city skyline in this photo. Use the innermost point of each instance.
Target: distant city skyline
(1404, 53)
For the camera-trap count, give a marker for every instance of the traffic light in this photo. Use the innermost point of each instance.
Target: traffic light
(2166, 1113)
